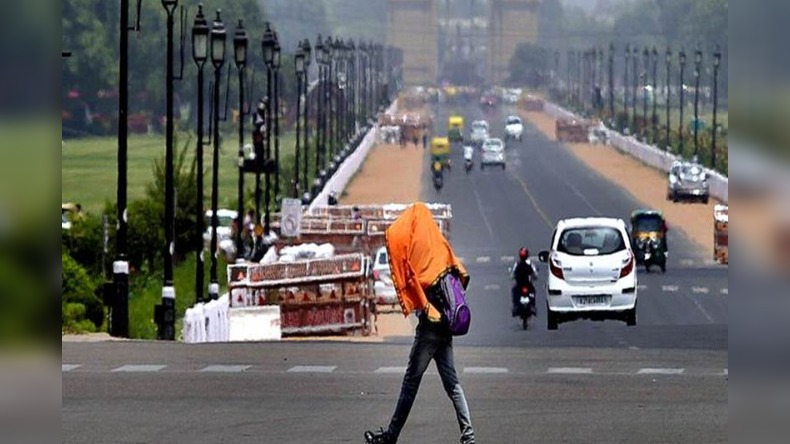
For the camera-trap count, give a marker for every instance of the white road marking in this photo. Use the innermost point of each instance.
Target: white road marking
(660, 371)
(486, 370)
(686, 262)
(483, 259)
(699, 290)
(641, 287)
(507, 258)
(397, 370)
(491, 287)
(570, 370)
(725, 291)
(312, 369)
(139, 368)
(725, 372)
(225, 368)
(670, 288)
(69, 367)
(461, 259)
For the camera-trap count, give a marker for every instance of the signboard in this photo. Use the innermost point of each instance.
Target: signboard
(290, 224)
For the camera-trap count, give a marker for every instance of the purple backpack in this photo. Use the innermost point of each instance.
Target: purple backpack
(456, 310)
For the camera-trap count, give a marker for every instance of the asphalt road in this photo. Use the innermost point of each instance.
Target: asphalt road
(662, 381)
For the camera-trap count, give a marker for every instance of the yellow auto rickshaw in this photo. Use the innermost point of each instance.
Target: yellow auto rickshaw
(455, 129)
(440, 151)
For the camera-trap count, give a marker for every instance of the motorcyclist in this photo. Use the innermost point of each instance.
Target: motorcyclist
(468, 152)
(524, 273)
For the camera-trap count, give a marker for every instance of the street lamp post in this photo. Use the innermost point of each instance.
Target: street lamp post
(200, 32)
(625, 87)
(697, 66)
(635, 91)
(611, 85)
(267, 46)
(275, 114)
(716, 65)
(320, 55)
(682, 60)
(240, 43)
(167, 324)
(299, 67)
(654, 119)
(668, 61)
(218, 35)
(308, 55)
(330, 111)
(645, 67)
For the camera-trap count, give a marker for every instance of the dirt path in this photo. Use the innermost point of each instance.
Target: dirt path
(645, 184)
(390, 174)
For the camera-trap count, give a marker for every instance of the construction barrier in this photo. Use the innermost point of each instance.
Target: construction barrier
(721, 222)
(207, 322)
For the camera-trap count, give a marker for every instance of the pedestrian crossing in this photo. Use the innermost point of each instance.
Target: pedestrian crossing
(563, 370)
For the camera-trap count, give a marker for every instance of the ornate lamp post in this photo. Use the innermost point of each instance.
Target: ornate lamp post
(218, 36)
(635, 85)
(308, 56)
(682, 60)
(625, 87)
(299, 67)
(668, 61)
(697, 66)
(200, 31)
(320, 152)
(240, 42)
(611, 86)
(654, 119)
(268, 43)
(716, 65)
(167, 324)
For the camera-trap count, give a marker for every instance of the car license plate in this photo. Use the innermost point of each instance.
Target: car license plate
(587, 301)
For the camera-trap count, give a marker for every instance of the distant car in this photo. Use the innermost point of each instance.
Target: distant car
(514, 128)
(383, 287)
(592, 272)
(493, 153)
(687, 181)
(479, 132)
(488, 99)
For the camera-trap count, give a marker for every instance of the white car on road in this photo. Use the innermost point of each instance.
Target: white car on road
(592, 272)
(383, 287)
(514, 128)
(493, 153)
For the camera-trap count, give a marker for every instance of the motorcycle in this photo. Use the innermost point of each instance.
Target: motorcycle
(438, 181)
(653, 254)
(526, 304)
(468, 164)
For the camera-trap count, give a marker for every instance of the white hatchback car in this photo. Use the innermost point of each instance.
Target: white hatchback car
(383, 287)
(592, 273)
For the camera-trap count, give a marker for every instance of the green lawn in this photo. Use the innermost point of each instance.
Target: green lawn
(89, 167)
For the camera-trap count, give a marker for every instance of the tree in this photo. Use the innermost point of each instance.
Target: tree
(528, 66)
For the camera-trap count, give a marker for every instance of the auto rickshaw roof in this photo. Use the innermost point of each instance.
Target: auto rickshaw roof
(642, 212)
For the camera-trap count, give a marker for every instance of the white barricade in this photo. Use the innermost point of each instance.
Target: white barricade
(207, 322)
(648, 154)
(255, 324)
(338, 182)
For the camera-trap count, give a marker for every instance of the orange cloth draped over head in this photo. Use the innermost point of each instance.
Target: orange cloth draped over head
(419, 255)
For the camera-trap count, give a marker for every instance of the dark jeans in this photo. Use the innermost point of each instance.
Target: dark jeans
(432, 343)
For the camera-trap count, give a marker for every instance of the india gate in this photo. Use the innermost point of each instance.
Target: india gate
(460, 41)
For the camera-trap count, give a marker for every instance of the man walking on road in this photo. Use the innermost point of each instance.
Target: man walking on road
(419, 257)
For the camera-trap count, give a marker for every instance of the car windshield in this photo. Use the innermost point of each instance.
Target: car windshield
(647, 223)
(513, 121)
(492, 145)
(591, 241)
(693, 173)
(383, 258)
(479, 126)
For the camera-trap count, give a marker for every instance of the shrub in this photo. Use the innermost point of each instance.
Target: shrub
(78, 288)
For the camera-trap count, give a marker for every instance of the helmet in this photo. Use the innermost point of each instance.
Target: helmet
(523, 253)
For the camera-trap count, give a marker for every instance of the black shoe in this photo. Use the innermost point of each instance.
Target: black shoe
(380, 437)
